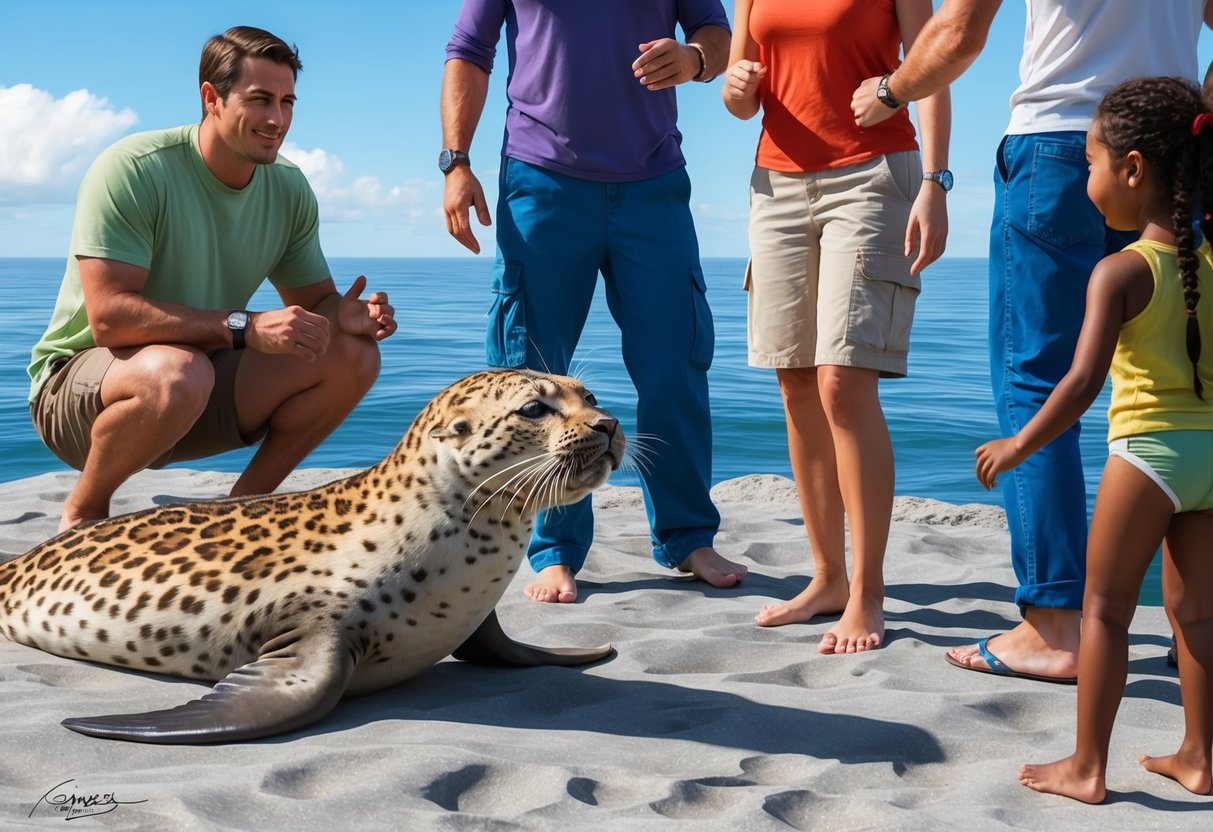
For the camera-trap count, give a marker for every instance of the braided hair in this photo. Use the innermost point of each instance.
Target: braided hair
(1157, 117)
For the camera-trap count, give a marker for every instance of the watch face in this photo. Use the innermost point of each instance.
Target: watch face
(945, 179)
(237, 320)
(445, 160)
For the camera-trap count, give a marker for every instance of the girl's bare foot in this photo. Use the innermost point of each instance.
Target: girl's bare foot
(861, 628)
(818, 598)
(706, 564)
(1064, 778)
(1193, 775)
(555, 585)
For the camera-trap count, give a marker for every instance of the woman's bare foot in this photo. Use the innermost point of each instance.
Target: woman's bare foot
(1045, 643)
(818, 598)
(554, 585)
(1064, 778)
(861, 628)
(1194, 775)
(706, 564)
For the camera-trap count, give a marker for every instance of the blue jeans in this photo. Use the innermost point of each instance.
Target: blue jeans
(555, 234)
(1045, 239)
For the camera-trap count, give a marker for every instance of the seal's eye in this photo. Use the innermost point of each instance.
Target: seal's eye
(534, 409)
(590, 399)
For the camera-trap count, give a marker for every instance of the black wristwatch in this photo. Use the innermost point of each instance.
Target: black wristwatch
(237, 322)
(942, 178)
(884, 95)
(448, 158)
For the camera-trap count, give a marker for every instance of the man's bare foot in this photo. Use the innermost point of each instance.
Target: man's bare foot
(555, 585)
(1194, 775)
(818, 598)
(706, 564)
(1045, 643)
(861, 628)
(1064, 778)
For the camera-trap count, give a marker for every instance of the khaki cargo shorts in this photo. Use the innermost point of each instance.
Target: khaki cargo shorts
(827, 280)
(70, 402)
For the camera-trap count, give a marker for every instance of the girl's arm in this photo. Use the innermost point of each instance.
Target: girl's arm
(1113, 297)
(928, 226)
(741, 83)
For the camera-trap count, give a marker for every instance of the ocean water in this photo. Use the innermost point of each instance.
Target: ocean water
(937, 415)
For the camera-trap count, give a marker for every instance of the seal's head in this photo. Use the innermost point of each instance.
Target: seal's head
(538, 439)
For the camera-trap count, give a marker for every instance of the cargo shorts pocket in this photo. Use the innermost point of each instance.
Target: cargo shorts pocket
(883, 294)
(505, 336)
(703, 338)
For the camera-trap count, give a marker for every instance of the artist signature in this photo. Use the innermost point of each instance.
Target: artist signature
(73, 805)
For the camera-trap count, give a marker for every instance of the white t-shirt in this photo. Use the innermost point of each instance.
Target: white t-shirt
(1075, 51)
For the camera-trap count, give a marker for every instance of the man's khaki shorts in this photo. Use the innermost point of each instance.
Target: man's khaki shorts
(828, 282)
(70, 402)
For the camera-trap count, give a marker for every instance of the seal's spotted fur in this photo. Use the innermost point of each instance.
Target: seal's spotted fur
(295, 600)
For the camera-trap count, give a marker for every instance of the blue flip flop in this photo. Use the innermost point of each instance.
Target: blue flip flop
(998, 667)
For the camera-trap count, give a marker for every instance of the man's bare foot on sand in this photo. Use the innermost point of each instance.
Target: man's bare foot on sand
(706, 564)
(861, 627)
(1191, 771)
(818, 598)
(1064, 778)
(554, 585)
(1043, 644)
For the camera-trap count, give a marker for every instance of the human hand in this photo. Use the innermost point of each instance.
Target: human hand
(462, 191)
(665, 63)
(374, 317)
(290, 331)
(866, 106)
(928, 225)
(742, 80)
(995, 457)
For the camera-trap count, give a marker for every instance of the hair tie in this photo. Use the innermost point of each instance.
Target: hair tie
(1200, 121)
(1190, 311)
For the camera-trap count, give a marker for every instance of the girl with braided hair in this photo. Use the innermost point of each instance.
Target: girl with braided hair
(1150, 152)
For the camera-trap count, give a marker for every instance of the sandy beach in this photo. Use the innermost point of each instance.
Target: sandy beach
(702, 720)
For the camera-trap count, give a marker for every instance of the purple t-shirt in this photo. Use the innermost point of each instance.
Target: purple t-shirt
(574, 105)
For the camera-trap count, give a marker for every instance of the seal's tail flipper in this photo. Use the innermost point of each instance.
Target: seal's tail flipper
(294, 682)
(490, 645)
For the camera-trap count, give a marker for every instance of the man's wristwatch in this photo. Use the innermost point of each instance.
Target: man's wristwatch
(942, 178)
(448, 158)
(703, 65)
(237, 322)
(885, 96)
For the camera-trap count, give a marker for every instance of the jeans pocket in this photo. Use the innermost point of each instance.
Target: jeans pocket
(883, 295)
(703, 338)
(505, 338)
(1059, 211)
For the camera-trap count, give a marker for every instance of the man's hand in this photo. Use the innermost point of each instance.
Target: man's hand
(928, 225)
(665, 63)
(462, 191)
(866, 106)
(995, 457)
(374, 317)
(290, 331)
(742, 80)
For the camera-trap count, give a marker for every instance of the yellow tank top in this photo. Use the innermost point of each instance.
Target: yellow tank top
(1151, 374)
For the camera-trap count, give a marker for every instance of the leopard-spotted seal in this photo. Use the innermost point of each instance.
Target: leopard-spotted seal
(292, 601)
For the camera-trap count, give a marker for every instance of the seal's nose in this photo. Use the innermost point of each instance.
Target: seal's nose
(607, 426)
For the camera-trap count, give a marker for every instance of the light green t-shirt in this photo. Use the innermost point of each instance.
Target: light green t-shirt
(149, 200)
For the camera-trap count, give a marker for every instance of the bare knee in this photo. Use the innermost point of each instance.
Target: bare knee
(170, 382)
(798, 385)
(848, 395)
(351, 366)
(1110, 610)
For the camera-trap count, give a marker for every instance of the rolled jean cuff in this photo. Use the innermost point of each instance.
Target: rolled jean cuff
(574, 559)
(1058, 595)
(680, 545)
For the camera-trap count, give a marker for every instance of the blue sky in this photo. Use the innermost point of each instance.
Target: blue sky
(77, 74)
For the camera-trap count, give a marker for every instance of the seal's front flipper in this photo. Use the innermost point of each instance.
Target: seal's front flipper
(295, 682)
(489, 645)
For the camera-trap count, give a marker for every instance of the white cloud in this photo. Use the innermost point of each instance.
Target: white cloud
(46, 143)
(344, 200)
